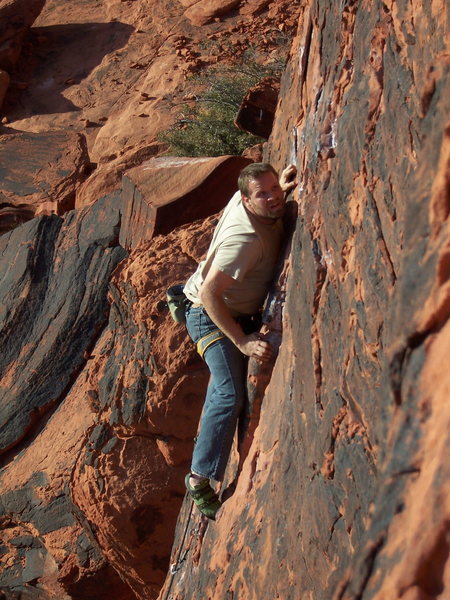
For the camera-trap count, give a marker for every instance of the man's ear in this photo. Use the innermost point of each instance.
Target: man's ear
(245, 200)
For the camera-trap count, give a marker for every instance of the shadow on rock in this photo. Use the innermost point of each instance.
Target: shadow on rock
(59, 56)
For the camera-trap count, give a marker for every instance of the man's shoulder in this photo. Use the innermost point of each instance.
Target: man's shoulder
(236, 237)
(236, 219)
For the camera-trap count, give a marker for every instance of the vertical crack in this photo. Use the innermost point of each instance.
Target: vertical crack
(321, 273)
(304, 56)
(379, 229)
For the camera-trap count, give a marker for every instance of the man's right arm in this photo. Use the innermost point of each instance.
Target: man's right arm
(211, 296)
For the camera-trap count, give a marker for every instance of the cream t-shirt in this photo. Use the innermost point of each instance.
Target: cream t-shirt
(245, 249)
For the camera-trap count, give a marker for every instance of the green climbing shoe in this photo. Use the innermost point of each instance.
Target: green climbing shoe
(204, 497)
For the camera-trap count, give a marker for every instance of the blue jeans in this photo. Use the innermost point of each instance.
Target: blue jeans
(224, 398)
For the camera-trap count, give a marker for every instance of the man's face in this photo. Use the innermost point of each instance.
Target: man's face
(266, 198)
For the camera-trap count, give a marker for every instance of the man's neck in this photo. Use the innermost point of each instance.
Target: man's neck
(260, 219)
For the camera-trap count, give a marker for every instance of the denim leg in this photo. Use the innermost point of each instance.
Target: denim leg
(223, 403)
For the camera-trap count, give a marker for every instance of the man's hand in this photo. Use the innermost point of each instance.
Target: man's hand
(253, 345)
(287, 179)
(211, 295)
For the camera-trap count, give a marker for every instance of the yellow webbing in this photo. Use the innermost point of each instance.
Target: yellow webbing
(208, 339)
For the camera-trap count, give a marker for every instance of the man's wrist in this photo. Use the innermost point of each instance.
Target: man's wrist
(238, 339)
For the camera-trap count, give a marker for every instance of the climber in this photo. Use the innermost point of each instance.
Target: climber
(224, 298)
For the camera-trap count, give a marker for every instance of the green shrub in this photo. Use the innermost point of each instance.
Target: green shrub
(206, 126)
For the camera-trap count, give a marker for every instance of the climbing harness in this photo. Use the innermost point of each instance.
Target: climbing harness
(177, 303)
(205, 342)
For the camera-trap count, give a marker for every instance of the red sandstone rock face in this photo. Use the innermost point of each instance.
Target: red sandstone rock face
(341, 487)
(16, 16)
(200, 12)
(55, 275)
(344, 493)
(40, 174)
(4, 84)
(89, 413)
(257, 110)
(116, 73)
(112, 70)
(107, 178)
(49, 295)
(148, 408)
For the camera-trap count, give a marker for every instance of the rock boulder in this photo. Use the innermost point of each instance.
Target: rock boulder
(166, 192)
(52, 309)
(40, 173)
(16, 17)
(200, 12)
(257, 110)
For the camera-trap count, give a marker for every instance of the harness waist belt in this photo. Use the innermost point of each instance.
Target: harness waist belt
(205, 342)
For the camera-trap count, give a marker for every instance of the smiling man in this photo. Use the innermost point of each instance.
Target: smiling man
(225, 296)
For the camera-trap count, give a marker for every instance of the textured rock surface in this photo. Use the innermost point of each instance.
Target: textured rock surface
(148, 376)
(107, 179)
(100, 397)
(12, 216)
(54, 280)
(341, 487)
(40, 173)
(104, 429)
(16, 16)
(201, 12)
(344, 493)
(55, 275)
(257, 110)
(114, 70)
(4, 84)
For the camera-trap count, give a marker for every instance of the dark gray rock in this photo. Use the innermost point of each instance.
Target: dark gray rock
(54, 278)
(39, 174)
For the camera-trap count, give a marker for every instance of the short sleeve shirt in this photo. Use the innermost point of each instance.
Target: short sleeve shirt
(247, 251)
